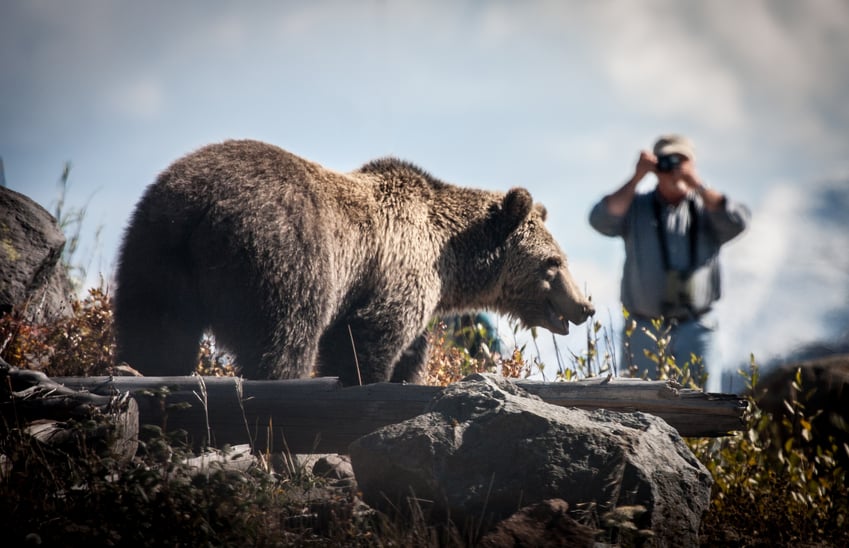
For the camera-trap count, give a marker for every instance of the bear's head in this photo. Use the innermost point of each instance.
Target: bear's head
(535, 284)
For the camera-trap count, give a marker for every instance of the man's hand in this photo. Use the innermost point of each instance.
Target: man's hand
(647, 163)
(690, 180)
(688, 175)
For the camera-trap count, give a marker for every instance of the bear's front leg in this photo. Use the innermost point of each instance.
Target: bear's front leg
(413, 361)
(364, 347)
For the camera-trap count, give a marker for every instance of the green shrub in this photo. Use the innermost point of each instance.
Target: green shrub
(769, 492)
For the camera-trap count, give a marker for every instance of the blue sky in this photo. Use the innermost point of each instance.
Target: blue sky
(555, 96)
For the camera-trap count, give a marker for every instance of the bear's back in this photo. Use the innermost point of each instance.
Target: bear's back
(245, 170)
(257, 184)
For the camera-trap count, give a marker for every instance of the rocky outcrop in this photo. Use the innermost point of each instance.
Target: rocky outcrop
(485, 449)
(31, 276)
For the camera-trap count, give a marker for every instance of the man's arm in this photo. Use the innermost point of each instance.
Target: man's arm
(713, 199)
(618, 202)
(728, 217)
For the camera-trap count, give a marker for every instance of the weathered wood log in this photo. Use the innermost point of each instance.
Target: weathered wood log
(692, 412)
(62, 418)
(319, 415)
(236, 458)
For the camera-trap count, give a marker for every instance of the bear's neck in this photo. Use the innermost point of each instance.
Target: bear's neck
(473, 252)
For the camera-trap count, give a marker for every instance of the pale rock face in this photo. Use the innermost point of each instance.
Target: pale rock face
(32, 278)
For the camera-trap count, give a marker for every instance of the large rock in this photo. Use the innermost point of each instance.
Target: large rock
(485, 448)
(31, 276)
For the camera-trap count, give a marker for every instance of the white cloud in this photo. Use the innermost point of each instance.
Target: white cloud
(762, 73)
(788, 55)
(783, 277)
(753, 263)
(660, 67)
(140, 99)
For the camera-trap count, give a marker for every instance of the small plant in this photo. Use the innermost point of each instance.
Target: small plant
(213, 361)
(71, 220)
(599, 358)
(450, 362)
(773, 493)
(660, 333)
(82, 344)
(23, 343)
(53, 499)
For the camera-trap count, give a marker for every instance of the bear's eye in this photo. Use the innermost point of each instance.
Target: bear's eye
(552, 266)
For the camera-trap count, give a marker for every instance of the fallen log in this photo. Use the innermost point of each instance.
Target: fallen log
(319, 415)
(67, 419)
(692, 412)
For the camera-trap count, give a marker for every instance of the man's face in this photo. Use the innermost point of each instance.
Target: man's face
(671, 169)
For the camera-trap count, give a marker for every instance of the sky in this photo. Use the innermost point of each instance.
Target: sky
(555, 96)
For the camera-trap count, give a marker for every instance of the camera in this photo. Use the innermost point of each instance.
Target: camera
(678, 301)
(669, 163)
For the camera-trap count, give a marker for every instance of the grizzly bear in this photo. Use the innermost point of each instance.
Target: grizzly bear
(300, 270)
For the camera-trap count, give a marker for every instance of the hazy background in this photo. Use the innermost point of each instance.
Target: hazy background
(555, 96)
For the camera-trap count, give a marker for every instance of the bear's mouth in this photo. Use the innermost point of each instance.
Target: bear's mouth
(557, 322)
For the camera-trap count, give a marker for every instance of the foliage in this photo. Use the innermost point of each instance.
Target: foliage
(24, 344)
(70, 220)
(667, 367)
(598, 359)
(450, 362)
(770, 489)
(212, 361)
(82, 344)
(57, 499)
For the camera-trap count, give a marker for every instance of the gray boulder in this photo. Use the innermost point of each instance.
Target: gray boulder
(486, 448)
(31, 276)
(336, 468)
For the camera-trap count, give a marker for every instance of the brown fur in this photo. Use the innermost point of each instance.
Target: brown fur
(287, 261)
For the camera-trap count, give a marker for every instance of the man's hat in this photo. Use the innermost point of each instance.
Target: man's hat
(675, 144)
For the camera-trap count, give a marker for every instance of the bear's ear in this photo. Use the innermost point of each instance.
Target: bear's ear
(516, 206)
(543, 213)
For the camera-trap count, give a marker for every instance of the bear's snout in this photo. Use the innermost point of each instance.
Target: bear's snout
(587, 310)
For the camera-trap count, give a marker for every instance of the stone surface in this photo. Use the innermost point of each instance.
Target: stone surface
(485, 449)
(31, 276)
(335, 468)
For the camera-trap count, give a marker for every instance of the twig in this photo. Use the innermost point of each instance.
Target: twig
(356, 361)
(240, 392)
(204, 400)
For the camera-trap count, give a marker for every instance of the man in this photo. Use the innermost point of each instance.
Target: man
(672, 239)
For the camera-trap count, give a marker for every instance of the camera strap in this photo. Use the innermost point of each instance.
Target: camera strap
(692, 232)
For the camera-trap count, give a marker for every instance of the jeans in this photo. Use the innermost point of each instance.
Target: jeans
(695, 336)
